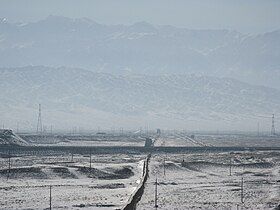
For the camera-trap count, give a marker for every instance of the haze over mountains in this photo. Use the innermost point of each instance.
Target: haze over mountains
(87, 99)
(137, 75)
(141, 48)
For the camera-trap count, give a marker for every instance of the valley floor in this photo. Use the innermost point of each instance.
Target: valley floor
(190, 179)
(107, 185)
(203, 181)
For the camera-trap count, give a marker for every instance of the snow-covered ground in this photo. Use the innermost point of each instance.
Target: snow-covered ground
(198, 180)
(167, 138)
(203, 181)
(126, 139)
(108, 185)
(180, 138)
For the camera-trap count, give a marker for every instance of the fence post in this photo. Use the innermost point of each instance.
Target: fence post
(50, 197)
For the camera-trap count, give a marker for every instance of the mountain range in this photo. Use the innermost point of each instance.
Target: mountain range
(141, 48)
(78, 97)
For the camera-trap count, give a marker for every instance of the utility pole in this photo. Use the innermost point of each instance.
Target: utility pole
(39, 123)
(9, 162)
(144, 168)
(230, 166)
(90, 160)
(258, 129)
(164, 166)
(9, 167)
(273, 125)
(242, 191)
(50, 197)
(156, 205)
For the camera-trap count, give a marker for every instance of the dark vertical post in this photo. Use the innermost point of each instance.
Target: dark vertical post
(156, 205)
(9, 163)
(50, 197)
(230, 167)
(164, 166)
(242, 191)
(273, 126)
(39, 123)
(90, 160)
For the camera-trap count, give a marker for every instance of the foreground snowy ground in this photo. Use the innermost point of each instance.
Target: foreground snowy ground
(107, 185)
(203, 181)
(192, 180)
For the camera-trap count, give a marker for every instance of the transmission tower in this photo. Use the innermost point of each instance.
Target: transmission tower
(39, 123)
(273, 125)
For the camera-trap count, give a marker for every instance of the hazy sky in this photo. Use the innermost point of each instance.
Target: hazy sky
(249, 16)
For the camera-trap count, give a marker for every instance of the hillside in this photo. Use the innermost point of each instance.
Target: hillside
(141, 48)
(77, 97)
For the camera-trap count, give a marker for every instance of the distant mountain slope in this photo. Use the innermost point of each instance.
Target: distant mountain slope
(141, 48)
(79, 97)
